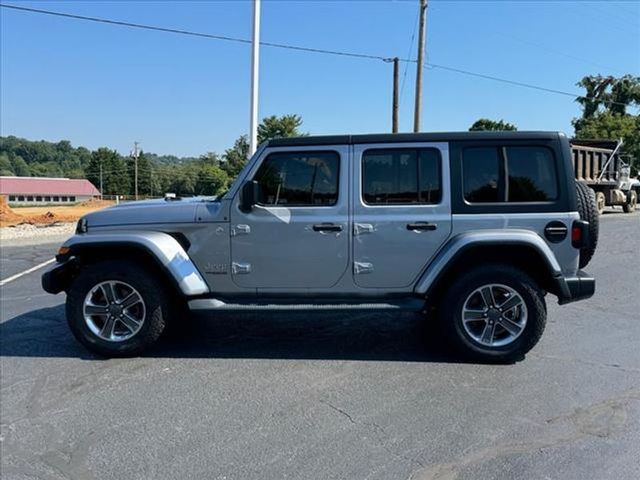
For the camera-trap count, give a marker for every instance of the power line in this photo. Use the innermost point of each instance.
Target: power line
(520, 84)
(554, 51)
(299, 48)
(196, 34)
(406, 64)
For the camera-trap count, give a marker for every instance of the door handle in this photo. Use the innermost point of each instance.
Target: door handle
(327, 227)
(421, 226)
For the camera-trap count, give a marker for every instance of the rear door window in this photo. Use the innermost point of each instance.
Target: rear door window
(401, 176)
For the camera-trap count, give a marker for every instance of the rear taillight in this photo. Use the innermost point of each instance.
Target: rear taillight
(579, 233)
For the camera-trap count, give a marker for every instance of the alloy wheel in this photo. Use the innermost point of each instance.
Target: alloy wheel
(114, 311)
(494, 315)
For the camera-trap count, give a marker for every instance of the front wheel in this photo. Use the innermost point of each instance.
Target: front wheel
(494, 313)
(632, 200)
(601, 202)
(116, 308)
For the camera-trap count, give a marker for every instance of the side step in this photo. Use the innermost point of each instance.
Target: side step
(412, 304)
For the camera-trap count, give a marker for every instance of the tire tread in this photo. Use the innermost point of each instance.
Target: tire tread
(536, 306)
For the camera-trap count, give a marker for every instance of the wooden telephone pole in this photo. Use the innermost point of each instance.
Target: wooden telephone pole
(417, 113)
(135, 154)
(394, 113)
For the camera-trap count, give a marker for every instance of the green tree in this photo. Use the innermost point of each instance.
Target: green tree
(611, 126)
(185, 181)
(596, 87)
(115, 177)
(279, 127)
(212, 180)
(235, 157)
(605, 114)
(609, 94)
(6, 168)
(46, 169)
(20, 167)
(491, 125)
(145, 175)
(625, 92)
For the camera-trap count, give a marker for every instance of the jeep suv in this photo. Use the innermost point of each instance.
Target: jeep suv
(472, 230)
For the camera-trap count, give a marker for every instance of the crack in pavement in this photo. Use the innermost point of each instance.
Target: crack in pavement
(380, 435)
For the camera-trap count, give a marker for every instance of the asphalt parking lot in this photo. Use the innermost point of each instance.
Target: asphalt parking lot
(324, 396)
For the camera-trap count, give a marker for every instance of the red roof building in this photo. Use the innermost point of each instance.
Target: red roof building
(35, 190)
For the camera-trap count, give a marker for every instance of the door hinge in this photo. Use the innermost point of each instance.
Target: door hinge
(240, 229)
(360, 228)
(360, 268)
(240, 268)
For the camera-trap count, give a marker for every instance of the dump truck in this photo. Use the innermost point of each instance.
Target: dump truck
(601, 166)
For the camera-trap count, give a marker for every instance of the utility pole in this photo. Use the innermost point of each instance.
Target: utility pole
(394, 112)
(255, 67)
(417, 114)
(101, 194)
(135, 154)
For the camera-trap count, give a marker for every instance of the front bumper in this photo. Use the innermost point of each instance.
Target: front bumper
(572, 289)
(59, 276)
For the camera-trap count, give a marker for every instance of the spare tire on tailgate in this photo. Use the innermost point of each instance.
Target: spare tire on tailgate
(588, 210)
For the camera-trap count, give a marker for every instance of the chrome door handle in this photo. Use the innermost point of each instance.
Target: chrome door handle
(421, 226)
(327, 227)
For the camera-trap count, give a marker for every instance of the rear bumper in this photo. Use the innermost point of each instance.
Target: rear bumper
(572, 289)
(58, 277)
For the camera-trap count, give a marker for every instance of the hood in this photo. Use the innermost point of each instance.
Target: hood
(178, 210)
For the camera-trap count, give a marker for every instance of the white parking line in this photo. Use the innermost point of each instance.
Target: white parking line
(32, 269)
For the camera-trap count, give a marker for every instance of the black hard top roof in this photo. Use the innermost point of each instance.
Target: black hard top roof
(408, 137)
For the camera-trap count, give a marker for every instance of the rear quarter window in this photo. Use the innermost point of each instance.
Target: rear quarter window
(531, 174)
(512, 174)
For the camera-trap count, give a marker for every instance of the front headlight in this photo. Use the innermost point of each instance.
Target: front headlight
(82, 227)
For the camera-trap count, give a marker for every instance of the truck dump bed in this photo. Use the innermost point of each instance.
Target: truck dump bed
(589, 160)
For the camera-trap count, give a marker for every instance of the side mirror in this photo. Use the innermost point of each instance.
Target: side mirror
(250, 195)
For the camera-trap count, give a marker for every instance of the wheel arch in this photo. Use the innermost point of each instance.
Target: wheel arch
(522, 249)
(158, 251)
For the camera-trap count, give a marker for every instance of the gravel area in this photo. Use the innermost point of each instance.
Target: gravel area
(26, 234)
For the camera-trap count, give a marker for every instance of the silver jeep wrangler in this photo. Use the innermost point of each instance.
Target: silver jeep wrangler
(472, 230)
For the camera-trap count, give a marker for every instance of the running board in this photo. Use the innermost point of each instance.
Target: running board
(412, 304)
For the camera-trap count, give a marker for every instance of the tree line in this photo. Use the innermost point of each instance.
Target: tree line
(605, 115)
(209, 174)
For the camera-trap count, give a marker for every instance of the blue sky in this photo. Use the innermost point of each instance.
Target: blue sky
(100, 85)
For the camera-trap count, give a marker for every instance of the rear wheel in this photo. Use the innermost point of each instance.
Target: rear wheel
(632, 201)
(494, 313)
(116, 308)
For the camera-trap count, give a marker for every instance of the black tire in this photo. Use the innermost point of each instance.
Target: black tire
(632, 200)
(588, 211)
(451, 313)
(153, 295)
(601, 202)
